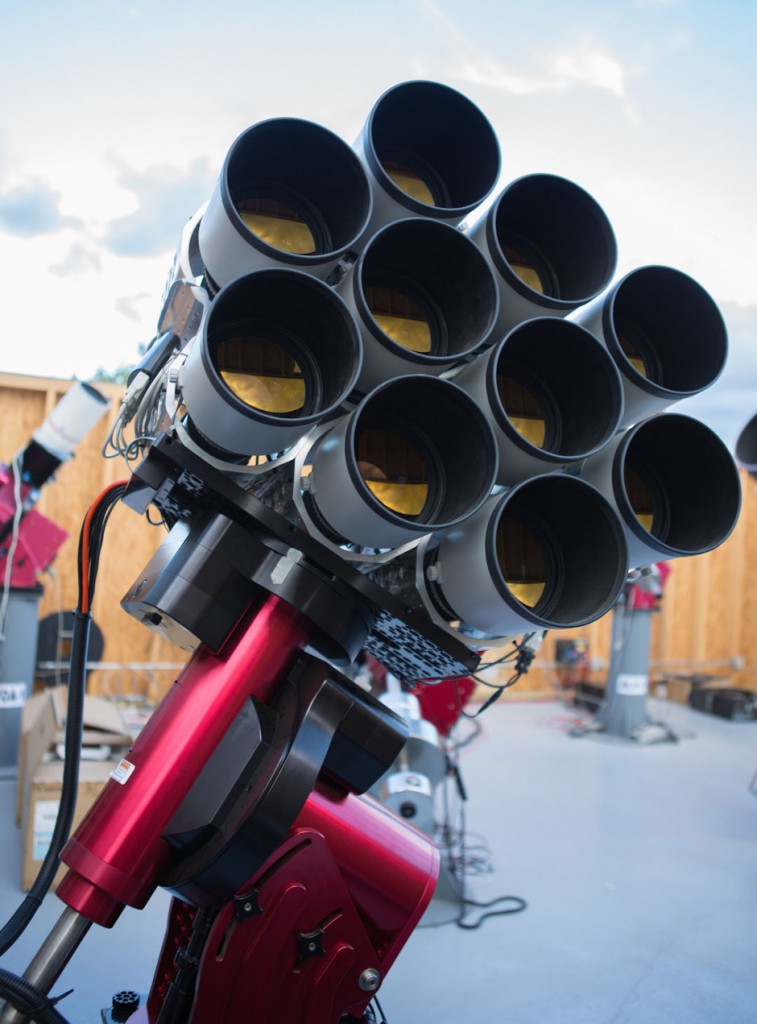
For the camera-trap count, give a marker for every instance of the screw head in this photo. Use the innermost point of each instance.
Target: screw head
(370, 979)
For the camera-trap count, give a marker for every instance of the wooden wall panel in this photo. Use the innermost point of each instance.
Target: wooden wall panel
(745, 600)
(129, 540)
(708, 616)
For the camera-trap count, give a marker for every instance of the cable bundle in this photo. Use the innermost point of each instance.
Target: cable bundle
(19, 993)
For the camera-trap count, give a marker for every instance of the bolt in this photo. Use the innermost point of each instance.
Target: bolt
(369, 979)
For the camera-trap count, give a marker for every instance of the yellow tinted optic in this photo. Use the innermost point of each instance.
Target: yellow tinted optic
(277, 225)
(640, 498)
(400, 318)
(524, 268)
(409, 182)
(393, 471)
(632, 354)
(523, 410)
(521, 562)
(261, 374)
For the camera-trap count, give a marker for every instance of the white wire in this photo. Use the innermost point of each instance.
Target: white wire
(144, 412)
(18, 512)
(150, 409)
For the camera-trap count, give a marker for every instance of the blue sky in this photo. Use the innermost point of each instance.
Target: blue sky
(116, 118)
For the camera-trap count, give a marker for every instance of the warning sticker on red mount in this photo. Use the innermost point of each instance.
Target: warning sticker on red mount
(122, 772)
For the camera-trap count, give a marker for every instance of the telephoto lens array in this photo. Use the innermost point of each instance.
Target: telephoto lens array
(454, 397)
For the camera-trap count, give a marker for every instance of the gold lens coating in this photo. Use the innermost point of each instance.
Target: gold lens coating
(399, 317)
(640, 497)
(522, 409)
(261, 373)
(393, 471)
(409, 182)
(278, 225)
(631, 352)
(521, 562)
(524, 268)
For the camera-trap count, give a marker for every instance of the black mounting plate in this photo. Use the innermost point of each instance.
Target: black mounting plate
(402, 638)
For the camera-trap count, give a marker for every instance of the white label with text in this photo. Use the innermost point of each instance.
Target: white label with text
(632, 685)
(122, 772)
(12, 695)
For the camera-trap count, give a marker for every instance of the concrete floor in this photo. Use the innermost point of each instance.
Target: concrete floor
(639, 867)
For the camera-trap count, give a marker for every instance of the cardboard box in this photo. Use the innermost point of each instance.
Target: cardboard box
(43, 722)
(42, 809)
(40, 773)
(679, 688)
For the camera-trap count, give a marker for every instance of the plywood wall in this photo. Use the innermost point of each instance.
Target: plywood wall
(129, 541)
(707, 622)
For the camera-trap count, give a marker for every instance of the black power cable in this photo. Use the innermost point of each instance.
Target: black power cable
(74, 725)
(518, 904)
(29, 1000)
(18, 992)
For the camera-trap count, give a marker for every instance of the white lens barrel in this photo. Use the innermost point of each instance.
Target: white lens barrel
(442, 426)
(419, 273)
(299, 317)
(427, 132)
(665, 333)
(299, 171)
(674, 485)
(551, 245)
(569, 527)
(553, 374)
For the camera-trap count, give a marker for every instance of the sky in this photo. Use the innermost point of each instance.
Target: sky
(115, 120)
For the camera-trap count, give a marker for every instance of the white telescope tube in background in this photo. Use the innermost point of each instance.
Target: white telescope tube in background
(71, 420)
(57, 438)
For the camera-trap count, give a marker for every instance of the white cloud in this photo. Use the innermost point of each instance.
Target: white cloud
(64, 325)
(585, 62)
(675, 221)
(590, 65)
(80, 259)
(167, 196)
(135, 307)
(33, 208)
(491, 74)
